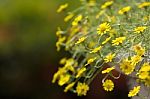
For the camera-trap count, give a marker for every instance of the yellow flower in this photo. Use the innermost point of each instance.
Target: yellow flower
(69, 64)
(80, 72)
(95, 50)
(56, 76)
(107, 4)
(118, 41)
(124, 10)
(63, 60)
(81, 40)
(108, 70)
(144, 4)
(135, 59)
(63, 79)
(143, 75)
(139, 50)
(62, 7)
(107, 39)
(68, 17)
(100, 13)
(58, 32)
(59, 42)
(108, 85)
(126, 66)
(134, 92)
(144, 71)
(82, 89)
(77, 20)
(109, 57)
(145, 67)
(103, 28)
(92, 2)
(68, 87)
(91, 60)
(140, 29)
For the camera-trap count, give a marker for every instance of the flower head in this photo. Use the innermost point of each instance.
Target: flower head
(134, 92)
(80, 72)
(108, 70)
(118, 41)
(135, 59)
(103, 28)
(63, 79)
(62, 7)
(109, 57)
(107, 4)
(77, 20)
(144, 4)
(124, 10)
(139, 49)
(82, 89)
(59, 42)
(69, 86)
(95, 50)
(63, 60)
(144, 71)
(92, 2)
(140, 29)
(126, 66)
(91, 60)
(68, 17)
(108, 85)
(80, 40)
(59, 32)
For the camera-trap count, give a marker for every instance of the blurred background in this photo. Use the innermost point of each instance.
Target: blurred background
(28, 57)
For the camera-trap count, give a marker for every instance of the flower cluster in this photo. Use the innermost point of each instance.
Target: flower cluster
(114, 33)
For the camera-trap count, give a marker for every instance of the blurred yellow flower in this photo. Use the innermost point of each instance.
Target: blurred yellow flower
(107, 4)
(81, 40)
(80, 72)
(134, 92)
(77, 20)
(109, 57)
(91, 60)
(144, 71)
(126, 66)
(95, 50)
(124, 10)
(139, 50)
(82, 89)
(118, 41)
(140, 29)
(92, 2)
(144, 4)
(135, 59)
(62, 7)
(108, 70)
(63, 79)
(59, 42)
(68, 17)
(68, 87)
